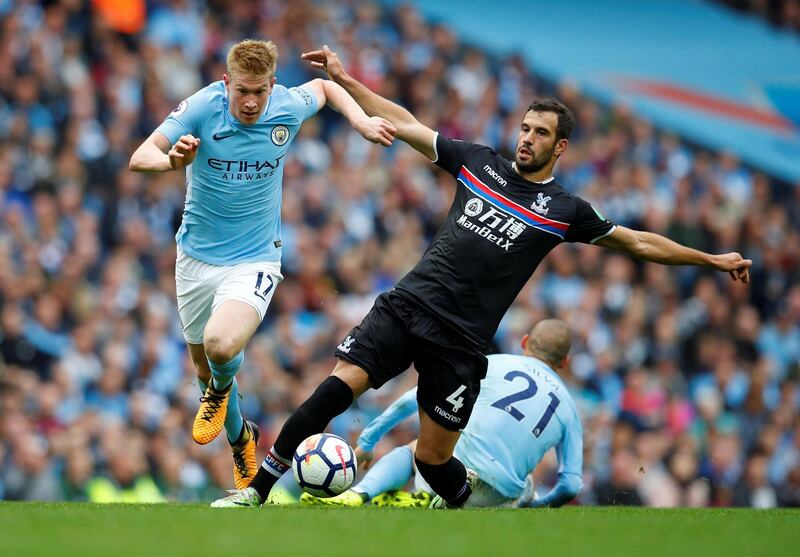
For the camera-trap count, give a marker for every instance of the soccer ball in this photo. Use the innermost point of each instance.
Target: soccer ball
(324, 465)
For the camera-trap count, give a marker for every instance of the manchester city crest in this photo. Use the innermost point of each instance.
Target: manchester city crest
(280, 135)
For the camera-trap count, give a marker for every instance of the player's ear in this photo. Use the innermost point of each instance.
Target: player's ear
(226, 79)
(561, 146)
(272, 81)
(524, 343)
(565, 362)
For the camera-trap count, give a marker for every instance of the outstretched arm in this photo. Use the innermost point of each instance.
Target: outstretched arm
(376, 130)
(569, 453)
(408, 128)
(658, 249)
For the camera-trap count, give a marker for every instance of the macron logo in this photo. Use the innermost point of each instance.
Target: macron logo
(447, 416)
(490, 171)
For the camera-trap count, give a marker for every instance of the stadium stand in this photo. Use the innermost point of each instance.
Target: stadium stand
(688, 384)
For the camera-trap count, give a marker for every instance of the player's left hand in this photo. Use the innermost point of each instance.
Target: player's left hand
(735, 265)
(326, 60)
(377, 130)
(364, 458)
(184, 151)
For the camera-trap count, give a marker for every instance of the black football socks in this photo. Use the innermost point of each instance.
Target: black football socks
(332, 397)
(449, 480)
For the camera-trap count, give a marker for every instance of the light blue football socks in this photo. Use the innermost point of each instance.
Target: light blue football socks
(390, 472)
(222, 376)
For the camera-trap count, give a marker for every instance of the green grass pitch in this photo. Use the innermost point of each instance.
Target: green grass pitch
(63, 530)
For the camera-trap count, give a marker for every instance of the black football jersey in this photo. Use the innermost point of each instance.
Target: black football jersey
(498, 230)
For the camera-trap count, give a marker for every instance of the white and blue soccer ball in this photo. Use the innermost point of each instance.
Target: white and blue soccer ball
(324, 465)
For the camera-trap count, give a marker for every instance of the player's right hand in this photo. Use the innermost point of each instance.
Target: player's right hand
(364, 458)
(184, 151)
(377, 130)
(325, 60)
(735, 265)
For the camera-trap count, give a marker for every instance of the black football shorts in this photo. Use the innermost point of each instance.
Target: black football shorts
(398, 332)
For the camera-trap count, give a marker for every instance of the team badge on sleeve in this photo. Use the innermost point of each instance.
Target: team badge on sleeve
(306, 96)
(280, 135)
(180, 109)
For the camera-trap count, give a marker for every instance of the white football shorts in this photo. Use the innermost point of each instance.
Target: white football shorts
(202, 287)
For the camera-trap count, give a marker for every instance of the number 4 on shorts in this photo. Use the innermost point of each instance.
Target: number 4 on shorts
(455, 400)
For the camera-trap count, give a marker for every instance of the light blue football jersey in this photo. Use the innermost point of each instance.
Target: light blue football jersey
(232, 212)
(522, 411)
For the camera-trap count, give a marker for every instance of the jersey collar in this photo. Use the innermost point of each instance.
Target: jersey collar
(514, 168)
(545, 364)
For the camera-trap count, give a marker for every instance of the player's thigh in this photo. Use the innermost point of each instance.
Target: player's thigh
(195, 286)
(240, 304)
(449, 382)
(229, 329)
(435, 443)
(198, 354)
(380, 345)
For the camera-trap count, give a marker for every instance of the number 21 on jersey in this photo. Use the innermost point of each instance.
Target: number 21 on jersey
(506, 403)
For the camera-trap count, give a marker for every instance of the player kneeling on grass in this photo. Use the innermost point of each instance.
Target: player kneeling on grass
(522, 411)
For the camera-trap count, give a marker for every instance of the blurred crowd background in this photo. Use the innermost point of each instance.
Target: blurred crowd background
(784, 14)
(688, 383)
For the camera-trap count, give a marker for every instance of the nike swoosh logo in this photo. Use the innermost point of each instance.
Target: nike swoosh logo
(218, 136)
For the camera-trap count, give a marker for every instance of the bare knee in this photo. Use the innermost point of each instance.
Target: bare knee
(432, 454)
(228, 330)
(221, 349)
(355, 377)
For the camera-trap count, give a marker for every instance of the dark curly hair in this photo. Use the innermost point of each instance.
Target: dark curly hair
(566, 120)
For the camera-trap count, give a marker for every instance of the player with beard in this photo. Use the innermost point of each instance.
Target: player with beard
(506, 217)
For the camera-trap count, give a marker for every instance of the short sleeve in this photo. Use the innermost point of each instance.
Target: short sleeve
(588, 225)
(451, 154)
(303, 104)
(186, 118)
(570, 451)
